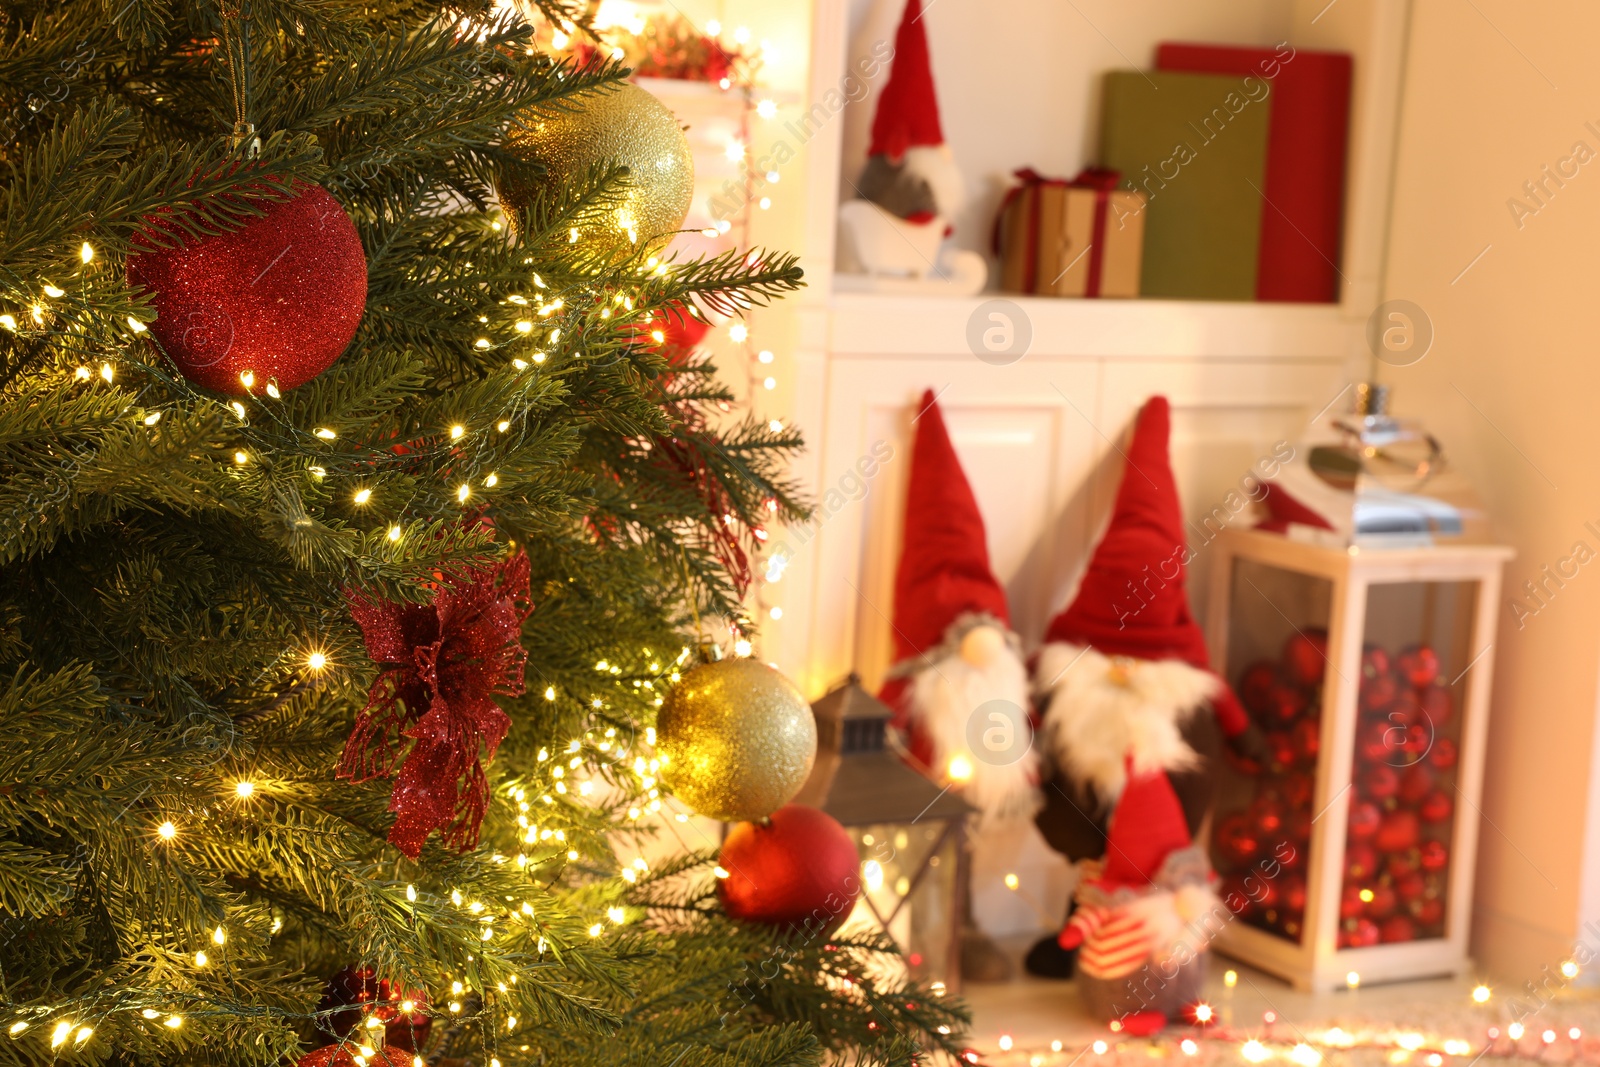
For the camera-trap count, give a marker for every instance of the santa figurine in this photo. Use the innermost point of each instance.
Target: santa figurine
(910, 190)
(1124, 670)
(959, 685)
(1146, 914)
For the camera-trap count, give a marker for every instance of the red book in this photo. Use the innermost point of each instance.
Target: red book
(1303, 209)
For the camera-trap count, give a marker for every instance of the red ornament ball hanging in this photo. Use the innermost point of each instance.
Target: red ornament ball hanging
(357, 992)
(344, 1055)
(279, 298)
(796, 868)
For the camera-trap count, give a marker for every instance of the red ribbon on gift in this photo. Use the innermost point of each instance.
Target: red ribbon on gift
(1102, 180)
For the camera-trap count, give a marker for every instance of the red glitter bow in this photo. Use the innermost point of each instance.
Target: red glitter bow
(442, 665)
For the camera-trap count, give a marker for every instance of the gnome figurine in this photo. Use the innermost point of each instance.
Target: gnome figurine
(959, 686)
(1124, 678)
(1146, 915)
(910, 190)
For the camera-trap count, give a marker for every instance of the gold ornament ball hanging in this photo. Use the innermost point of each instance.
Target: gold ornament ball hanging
(625, 126)
(737, 740)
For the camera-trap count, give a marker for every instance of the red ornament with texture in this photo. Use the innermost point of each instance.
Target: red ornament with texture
(1350, 903)
(443, 665)
(1435, 704)
(1444, 754)
(796, 868)
(1435, 856)
(1375, 694)
(1294, 893)
(1428, 911)
(280, 298)
(1410, 887)
(1267, 814)
(356, 992)
(1382, 903)
(344, 1055)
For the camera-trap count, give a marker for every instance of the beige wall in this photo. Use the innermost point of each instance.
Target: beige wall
(1495, 90)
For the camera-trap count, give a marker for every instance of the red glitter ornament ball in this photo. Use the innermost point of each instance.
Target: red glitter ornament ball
(1435, 856)
(796, 868)
(345, 1056)
(1398, 832)
(279, 298)
(356, 992)
(1305, 656)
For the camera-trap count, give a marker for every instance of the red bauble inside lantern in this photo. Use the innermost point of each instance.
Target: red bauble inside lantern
(1380, 782)
(1285, 704)
(1419, 664)
(1398, 831)
(1434, 703)
(1305, 657)
(1365, 934)
(1256, 685)
(797, 868)
(1266, 813)
(1436, 807)
(1360, 862)
(1237, 839)
(1375, 662)
(278, 299)
(1294, 893)
(1444, 754)
(1365, 818)
(1416, 783)
(1410, 888)
(1383, 901)
(1435, 856)
(1376, 694)
(1306, 736)
(1429, 910)
(1397, 928)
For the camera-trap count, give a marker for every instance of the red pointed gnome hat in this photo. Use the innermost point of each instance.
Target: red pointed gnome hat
(1146, 827)
(908, 109)
(944, 556)
(1132, 600)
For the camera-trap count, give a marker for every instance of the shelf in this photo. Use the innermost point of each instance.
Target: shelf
(856, 325)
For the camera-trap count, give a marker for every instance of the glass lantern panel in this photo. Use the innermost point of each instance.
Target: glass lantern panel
(908, 881)
(1415, 662)
(1260, 840)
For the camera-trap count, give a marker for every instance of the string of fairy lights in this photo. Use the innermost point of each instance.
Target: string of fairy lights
(1212, 1035)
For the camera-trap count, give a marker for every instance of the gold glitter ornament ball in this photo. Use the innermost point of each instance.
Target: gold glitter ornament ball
(626, 127)
(737, 740)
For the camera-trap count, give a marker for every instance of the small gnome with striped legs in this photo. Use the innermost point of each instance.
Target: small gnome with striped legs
(1146, 915)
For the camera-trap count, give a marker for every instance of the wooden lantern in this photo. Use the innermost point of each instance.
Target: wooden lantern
(1351, 852)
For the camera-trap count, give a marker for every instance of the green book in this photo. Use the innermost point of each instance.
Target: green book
(1196, 146)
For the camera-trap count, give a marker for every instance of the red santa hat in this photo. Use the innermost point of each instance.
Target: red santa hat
(944, 568)
(1147, 826)
(908, 109)
(1133, 601)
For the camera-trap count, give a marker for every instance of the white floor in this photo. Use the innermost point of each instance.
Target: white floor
(1042, 1023)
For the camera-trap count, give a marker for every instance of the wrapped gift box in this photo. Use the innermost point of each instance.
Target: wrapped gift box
(1079, 238)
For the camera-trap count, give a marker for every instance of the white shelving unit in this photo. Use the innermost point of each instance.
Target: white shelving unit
(1018, 85)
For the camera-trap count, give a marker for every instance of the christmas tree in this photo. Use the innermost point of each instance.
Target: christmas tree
(276, 584)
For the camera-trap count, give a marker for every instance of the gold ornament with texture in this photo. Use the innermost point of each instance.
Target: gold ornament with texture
(737, 740)
(625, 126)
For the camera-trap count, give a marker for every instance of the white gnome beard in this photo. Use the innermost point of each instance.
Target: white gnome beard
(1102, 711)
(947, 694)
(1171, 919)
